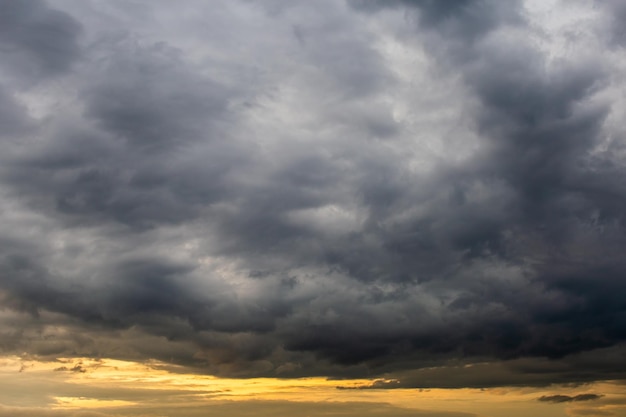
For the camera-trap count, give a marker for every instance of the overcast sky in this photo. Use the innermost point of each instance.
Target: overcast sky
(346, 189)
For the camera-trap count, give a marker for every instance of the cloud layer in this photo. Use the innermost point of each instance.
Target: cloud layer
(316, 188)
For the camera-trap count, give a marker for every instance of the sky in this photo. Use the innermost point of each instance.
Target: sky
(321, 208)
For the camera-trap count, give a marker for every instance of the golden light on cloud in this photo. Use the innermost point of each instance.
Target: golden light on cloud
(130, 388)
(86, 403)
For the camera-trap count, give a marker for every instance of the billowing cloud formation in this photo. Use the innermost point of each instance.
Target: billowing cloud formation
(315, 188)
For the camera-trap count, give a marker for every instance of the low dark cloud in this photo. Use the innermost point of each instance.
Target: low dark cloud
(75, 368)
(568, 398)
(315, 188)
(582, 368)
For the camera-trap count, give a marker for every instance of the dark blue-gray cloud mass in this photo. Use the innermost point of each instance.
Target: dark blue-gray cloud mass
(38, 40)
(315, 188)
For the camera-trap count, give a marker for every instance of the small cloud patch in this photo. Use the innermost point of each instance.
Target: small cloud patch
(77, 368)
(568, 399)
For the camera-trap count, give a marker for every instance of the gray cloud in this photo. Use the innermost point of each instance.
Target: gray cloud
(580, 368)
(36, 39)
(313, 188)
(12, 117)
(617, 16)
(568, 398)
(462, 20)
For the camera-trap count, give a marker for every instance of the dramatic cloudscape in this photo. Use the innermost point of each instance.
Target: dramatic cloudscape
(329, 207)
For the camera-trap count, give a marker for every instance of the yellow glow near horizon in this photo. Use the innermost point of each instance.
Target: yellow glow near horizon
(82, 402)
(90, 384)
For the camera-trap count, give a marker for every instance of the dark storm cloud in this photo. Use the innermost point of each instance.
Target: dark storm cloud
(617, 15)
(540, 136)
(462, 20)
(257, 197)
(12, 117)
(37, 39)
(147, 107)
(142, 292)
(581, 368)
(145, 96)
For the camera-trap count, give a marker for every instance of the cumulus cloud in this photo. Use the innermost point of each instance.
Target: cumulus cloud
(313, 188)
